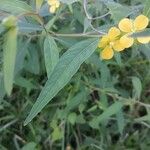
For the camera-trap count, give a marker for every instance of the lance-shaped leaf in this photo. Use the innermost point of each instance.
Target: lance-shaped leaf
(15, 6)
(145, 33)
(113, 109)
(10, 49)
(146, 10)
(39, 4)
(118, 11)
(68, 1)
(67, 66)
(137, 85)
(51, 54)
(2, 89)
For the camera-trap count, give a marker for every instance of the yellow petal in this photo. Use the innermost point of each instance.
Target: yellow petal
(141, 22)
(52, 9)
(103, 41)
(144, 40)
(126, 25)
(107, 53)
(57, 4)
(113, 33)
(51, 2)
(118, 46)
(126, 41)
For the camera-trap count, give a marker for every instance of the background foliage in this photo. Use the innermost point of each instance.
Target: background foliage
(95, 104)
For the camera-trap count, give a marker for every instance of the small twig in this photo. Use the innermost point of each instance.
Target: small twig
(100, 32)
(100, 17)
(87, 14)
(76, 35)
(145, 124)
(79, 134)
(85, 10)
(77, 140)
(142, 104)
(97, 147)
(31, 14)
(19, 138)
(116, 96)
(8, 125)
(90, 18)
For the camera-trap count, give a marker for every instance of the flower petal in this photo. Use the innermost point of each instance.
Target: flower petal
(107, 53)
(126, 41)
(51, 2)
(141, 22)
(126, 25)
(57, 4)
(52, 9)
(118, 46)
(103, 42)
(144, 40)
(113, 33)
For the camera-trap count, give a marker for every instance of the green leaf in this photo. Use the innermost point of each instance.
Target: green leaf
(113, 109)
(10, 21)
(118, 11)
(67, 66)
(120, 121)
(21, 54)
(32, 59)
(75, 101)
(29, 146)
(72, 118)
(145, 33)
(80, 119)
(51, 54)
(10, 50)
(15, 6)
(137, 87)
(118, 59)
(57, 131)
(2, 89)
(2, 29)
(68, 1)
(146, 11)
(22, 82)
(28, 27)
(145, 49)
(57, 134)
(39, 4)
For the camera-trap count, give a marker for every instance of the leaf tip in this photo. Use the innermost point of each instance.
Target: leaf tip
(27, 121)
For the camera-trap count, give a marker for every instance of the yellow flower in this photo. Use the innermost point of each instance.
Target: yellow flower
(129, 26)
(110, 42)
(54, 4)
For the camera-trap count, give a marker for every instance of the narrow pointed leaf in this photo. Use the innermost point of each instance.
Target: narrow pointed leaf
(2, 89)
(67, 66)
(137, 85)
(147, 8)
(145, 33)
(68, 1)
(10, 49)
(15, 6)
(118, 11)
(39, 4)
(51, 54)
(113, 109)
